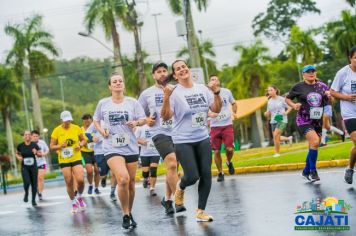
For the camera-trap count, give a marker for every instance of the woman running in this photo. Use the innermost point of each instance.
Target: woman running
(344, 89)
(312, 95)
(188, 103)
(67, 139)
(26, 153)
(277, 111)
(327, 117)
(121, 114)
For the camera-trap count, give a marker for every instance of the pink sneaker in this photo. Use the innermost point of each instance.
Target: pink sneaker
(81, 203)
(74, 208)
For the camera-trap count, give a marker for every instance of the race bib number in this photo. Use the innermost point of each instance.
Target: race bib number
(167, 124)
(90, 145)
(120, 140)
(28, 161)
(353, 86)
(150, 145)
(316, 113)
(223, 115)
(67, 152)
(199, 119)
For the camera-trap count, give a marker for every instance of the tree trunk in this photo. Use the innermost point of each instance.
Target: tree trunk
(139, 59)
(36, 105)
(117, 50)
(193, 44)
(9, 138)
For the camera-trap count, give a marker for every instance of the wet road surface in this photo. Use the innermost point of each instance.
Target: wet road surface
(253, 204)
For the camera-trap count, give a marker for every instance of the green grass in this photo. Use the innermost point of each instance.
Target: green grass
(51, 175)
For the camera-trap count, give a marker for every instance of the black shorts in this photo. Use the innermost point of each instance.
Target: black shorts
(89, 157)
(102, 164)
(147, 160)
(350, 125)
(128, 158)
(42, 167)
(164, 144)
(70, 164)
(304, 129)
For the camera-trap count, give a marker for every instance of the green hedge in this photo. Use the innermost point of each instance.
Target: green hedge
(51, 175)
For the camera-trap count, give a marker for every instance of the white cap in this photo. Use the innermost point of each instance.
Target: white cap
(66, 116)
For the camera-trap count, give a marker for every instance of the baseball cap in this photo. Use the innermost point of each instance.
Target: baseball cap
(307, 68)
(66, 116)
(159, 64)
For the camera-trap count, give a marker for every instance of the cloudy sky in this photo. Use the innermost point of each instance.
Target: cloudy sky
(226, 23)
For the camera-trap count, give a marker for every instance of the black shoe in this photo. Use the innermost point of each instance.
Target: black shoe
(34, 203)
(231, 168)
(348, 175)
(25, 198)
(305, 175)
(40, 196)
(168, 206)
(126, 222)
(145, 183)
(314, 176)
(103, 182)
(343, 137)
(180, 208)
(153, 193)
(322, 144)
(133, 222)
(113, 197)
(220, 177)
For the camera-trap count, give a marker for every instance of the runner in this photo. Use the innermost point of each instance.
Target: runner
(344, 89)
(327, 119)
(222, 130)
(41, 161)
(149, 157)
(277, 111)
(67, 139)
(121, 114)
(188, 104)
(26, 153)
(88, 155)
(152, 100)
(312, 96)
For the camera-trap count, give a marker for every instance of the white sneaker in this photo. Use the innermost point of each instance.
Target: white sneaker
(277, 155)
(290, 140)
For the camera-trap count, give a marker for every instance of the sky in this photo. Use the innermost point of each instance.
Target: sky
(226, 23)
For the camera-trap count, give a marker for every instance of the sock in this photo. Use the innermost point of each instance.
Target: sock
(90, 185)
(166, 198)
(74, 201)
(323, 136)
(79, 194)
(151, 188)
(313, 156)
(336, 130)
(307, 166)
(113, 189)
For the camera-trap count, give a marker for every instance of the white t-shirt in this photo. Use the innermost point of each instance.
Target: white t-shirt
(345, 83)
(190, 108)
(121, 138)
(44, 148)
(224, 117)
(98, 146)
(151, 100)
(277, 106)
(144, 132)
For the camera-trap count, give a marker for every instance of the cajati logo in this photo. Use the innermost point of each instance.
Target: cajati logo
(329, 214)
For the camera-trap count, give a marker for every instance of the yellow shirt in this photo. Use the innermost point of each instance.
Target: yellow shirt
(90, 145)
(71, 136)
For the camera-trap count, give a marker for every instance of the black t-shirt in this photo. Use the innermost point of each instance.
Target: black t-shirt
(26, 150)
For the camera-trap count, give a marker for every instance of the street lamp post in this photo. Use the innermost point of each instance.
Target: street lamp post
(45, 137)
(62, 91)
(92, 37)
(202, 52)
(157, 32)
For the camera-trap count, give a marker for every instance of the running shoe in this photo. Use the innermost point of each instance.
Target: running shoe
(168, 206)
(74, 208)
(103, 182)
(221, 177)
(113, 197)
(202, 216)
(34, 203)
(40, 196)
(290, 140)
(97, 192)
(305, 175)
(348, 175)
(133, 222)
(276, 155)
(153, 193)
(81, 202)
(343, 137)
(126, 222)
(90, 190)
(322, 144)
(314, 176)
(25, 198)
(231, 168)
(179, 199)
(145, 182)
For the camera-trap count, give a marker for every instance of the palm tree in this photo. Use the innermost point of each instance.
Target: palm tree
(105, 13)
(343, 32)
(180, 7)
(9, 101)
(29, 52)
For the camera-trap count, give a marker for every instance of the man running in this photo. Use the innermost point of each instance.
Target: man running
(222, 130)
(151, 100)
(88, 155)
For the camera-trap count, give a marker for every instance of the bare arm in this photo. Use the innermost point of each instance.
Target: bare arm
(234, 107)
(102, 131)
(55, 146)
(216, 106)
(142, 141)
(344, 97)
(18, 156)
(166, 111)
(295, 106)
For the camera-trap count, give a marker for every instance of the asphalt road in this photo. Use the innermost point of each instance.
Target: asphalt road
(253, 204)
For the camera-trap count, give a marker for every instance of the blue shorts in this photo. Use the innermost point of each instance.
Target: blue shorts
(328, 110)
(102, 164)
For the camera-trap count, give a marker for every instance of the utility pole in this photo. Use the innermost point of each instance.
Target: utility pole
(202, 52)
(157, 32)
(62, 91)
(25, 106)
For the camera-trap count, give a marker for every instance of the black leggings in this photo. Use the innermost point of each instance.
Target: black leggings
(195, 159)
(29, 176)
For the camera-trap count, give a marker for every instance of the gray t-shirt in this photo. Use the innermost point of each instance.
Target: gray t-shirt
(98, 146)
(151, 100)
(190, 108)
(121, 138)
(44, 148)
(277, 106)
(345, 83)
(224, 117)
(144, 132)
